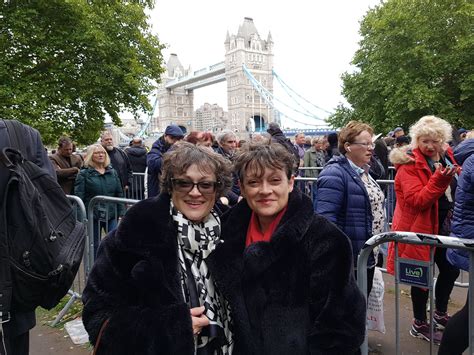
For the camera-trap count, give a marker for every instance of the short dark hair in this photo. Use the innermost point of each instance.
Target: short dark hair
(64, 141)
(261, 155)
(184, 154)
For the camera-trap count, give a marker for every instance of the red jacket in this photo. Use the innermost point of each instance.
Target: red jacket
(417, 190)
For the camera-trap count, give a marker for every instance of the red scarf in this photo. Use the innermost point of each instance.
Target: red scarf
(254, 234)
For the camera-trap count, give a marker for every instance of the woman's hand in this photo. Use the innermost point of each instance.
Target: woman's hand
(448, 171)
(199, 319)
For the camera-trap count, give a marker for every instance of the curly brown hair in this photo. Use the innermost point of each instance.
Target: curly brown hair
(184, 154)
(258, 156)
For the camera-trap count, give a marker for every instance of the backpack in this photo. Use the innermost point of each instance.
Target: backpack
(40, 240)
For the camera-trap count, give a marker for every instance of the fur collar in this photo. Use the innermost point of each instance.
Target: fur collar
(401, 156)
(289, 232)
(148, 226)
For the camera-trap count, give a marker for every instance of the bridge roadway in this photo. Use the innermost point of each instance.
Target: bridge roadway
(206, 76)
(45, 340)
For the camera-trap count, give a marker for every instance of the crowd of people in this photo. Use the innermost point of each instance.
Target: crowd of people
(230, 254)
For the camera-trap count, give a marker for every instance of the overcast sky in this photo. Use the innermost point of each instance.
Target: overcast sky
(314, 40)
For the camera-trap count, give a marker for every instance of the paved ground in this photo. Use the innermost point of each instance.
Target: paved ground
(385, 343)
(52, 341)
(45, 340)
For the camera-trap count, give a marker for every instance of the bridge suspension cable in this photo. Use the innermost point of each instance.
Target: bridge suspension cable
(149, 118)
(288, 89)
(270, 98)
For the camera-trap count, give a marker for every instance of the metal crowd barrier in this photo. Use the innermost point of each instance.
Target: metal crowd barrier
(101, 220)
(136, 191)
(79, 281)
(415, 273)
(97, 204)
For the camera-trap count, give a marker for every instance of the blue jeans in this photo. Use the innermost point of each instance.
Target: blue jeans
(99, 226)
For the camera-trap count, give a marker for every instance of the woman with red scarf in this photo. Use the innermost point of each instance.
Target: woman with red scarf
(285, 271)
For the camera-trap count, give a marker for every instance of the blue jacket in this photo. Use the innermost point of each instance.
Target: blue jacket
(154, 160)
(462, 225)
(342, 198)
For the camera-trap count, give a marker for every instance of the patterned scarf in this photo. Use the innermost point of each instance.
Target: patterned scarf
(195, 242)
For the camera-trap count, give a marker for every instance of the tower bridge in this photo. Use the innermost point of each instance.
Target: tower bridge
(248, 71)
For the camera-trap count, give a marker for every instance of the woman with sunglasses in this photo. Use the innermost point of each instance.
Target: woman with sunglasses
(150, 290)
(348, 196)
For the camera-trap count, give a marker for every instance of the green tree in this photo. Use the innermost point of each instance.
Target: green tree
(67, 65)
(415, 58)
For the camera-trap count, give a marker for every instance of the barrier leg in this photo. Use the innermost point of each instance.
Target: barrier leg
(74, 297)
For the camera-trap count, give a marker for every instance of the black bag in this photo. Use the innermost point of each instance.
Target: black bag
(44, 241)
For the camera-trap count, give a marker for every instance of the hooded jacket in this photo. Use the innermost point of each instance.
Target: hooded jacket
(295, 294)
(462, 225)
(418, 191)
(342, 198)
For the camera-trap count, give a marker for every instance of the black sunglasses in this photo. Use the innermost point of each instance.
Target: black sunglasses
(186, 186)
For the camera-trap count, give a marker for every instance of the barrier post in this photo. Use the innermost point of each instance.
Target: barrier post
(80, 216)
(417, 239)
(90, 212)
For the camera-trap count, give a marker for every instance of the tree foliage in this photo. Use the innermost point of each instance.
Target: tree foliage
(66, 65)
(415, 58)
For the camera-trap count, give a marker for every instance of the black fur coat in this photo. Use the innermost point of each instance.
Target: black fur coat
(135, 284)
(295, 294)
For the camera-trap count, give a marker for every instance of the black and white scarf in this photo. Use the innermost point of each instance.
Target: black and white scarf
(195, 242)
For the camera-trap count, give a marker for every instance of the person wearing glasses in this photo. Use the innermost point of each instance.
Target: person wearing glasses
(99, 178)
(348, 196)
(285, 271)
(150, 290)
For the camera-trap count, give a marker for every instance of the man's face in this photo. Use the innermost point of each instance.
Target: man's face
(300, 139)
(399, 133)
(65, 150)
(107, 142)
(172, 139)
(229, 144)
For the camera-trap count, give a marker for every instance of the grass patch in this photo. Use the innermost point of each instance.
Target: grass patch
(46, 317)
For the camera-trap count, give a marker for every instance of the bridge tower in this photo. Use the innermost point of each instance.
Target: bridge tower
(246, 109)
(175, 105)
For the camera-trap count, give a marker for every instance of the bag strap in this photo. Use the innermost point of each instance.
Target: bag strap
(14, 129)
(101, 331)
